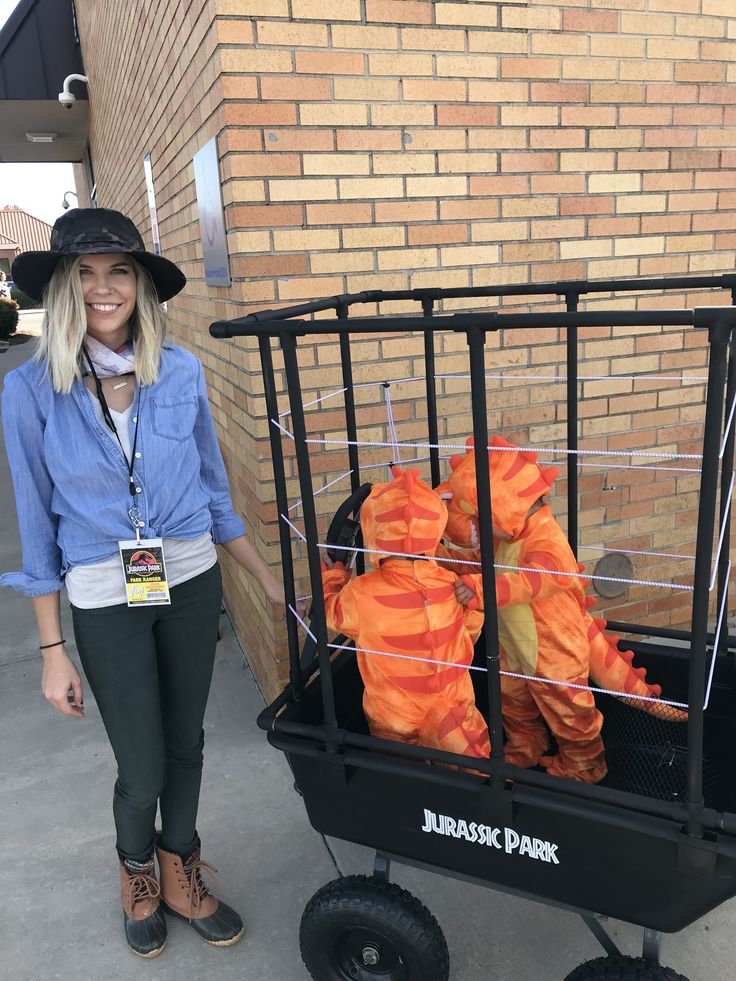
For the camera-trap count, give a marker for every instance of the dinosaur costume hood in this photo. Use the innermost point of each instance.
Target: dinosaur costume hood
(517, 482)
(404, 515)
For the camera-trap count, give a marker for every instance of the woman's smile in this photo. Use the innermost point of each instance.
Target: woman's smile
(105, 307)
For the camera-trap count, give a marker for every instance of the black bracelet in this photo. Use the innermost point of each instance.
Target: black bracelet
(57, 644)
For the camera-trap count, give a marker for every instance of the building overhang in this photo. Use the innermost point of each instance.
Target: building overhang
(39, 48)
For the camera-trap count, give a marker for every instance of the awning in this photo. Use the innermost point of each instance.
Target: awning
(39, 47)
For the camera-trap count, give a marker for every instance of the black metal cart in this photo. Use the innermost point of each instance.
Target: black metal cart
(655, 844)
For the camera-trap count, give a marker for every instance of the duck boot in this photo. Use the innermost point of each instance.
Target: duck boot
(145, 925)
(185, 894)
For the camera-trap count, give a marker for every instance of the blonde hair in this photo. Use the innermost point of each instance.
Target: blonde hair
(65, 325)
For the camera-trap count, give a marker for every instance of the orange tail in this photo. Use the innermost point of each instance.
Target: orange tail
(613, 669)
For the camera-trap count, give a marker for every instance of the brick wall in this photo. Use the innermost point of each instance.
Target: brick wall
(404, 143)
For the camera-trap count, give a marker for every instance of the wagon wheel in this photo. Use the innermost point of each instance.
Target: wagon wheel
(623, 969)
(360, 928)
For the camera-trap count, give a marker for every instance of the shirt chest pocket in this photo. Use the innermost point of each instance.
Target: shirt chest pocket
(174, 418)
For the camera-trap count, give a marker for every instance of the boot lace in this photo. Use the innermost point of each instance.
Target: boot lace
(198, 889)
(140, 884)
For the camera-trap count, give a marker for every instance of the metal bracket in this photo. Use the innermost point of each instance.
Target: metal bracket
(600, 933)
(332, 769)
(652, 946)
(697, 856)
(498, 806)
(382, 867)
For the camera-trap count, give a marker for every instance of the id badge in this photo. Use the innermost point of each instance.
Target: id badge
(144, 572)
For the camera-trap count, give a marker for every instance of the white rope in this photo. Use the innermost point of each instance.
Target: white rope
(717, 638)
(372, 466)
(322, 398)
(727, 429)
(636, 551)
(628, 466)
(508, 449)
(392, 424)
(324, 488)
(294, 528)
(602, 691)
(416, 459)
(505, 674)
(563, 378)
(724, 525)
(285, 432)
(458, 446)
(509, 568)
(306, 628)
(408, 657)
(558, 378)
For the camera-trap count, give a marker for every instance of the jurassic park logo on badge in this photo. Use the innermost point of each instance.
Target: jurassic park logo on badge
(144, 564)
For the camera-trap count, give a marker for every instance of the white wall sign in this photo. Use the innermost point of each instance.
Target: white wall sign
(211, 215)
(148, 171)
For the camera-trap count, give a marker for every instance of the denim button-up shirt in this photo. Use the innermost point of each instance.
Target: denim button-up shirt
(71, 478)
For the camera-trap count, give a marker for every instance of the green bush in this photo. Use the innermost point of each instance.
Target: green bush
(24, 302)
(8, 318)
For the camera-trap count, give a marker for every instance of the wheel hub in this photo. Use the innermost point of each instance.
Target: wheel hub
(370, 955)
(364, 954)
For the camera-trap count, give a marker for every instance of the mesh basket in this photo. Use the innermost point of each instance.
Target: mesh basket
(648, 756)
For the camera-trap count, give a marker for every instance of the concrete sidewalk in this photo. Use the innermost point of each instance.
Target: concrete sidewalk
(62, 918)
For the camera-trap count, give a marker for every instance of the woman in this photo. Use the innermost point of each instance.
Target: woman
(114, 456)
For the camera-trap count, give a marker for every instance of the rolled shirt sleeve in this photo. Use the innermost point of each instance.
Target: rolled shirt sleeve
(23, 426)
(226, 524)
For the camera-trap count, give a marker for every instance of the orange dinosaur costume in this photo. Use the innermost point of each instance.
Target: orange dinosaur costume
(545, 630)
(408, 607)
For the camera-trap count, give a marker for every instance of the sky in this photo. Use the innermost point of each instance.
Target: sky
(37, 188)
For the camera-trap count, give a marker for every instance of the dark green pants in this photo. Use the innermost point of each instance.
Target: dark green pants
(150, 671)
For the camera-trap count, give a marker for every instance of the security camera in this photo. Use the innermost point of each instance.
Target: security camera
(66, 99)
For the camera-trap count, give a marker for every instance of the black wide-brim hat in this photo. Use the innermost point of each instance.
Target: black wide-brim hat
(91, 231)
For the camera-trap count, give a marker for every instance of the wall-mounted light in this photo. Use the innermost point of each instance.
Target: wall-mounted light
(65, 204)
(41, 137)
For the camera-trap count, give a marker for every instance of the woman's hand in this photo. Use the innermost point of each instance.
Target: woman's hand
(274, 591)
(61, 684)
(246, 556)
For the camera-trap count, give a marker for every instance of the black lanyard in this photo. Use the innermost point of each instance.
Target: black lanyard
(110, 422)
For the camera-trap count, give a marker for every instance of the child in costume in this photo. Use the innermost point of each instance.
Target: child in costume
(545, 630)
(408, 607)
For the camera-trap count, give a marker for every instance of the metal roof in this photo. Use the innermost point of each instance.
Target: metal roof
(23, 230)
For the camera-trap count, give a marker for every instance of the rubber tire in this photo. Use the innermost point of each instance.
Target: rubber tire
(623, 969)
(377, 908)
